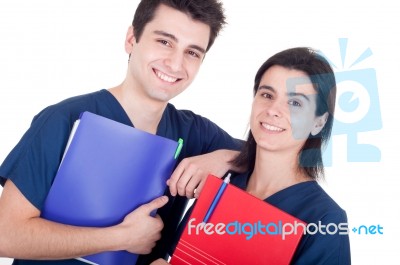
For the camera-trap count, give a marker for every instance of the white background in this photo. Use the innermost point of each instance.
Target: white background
(51, 50)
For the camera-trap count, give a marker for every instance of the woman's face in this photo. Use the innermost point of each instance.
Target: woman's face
(283, 110)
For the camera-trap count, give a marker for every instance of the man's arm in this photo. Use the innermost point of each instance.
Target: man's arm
(25, 235)
(191, 173)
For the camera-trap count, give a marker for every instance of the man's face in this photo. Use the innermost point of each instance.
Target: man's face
(168, 55)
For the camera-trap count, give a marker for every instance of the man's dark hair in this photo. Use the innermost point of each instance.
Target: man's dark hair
(209, 12)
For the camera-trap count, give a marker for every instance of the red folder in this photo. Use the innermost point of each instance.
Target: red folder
(241, 230)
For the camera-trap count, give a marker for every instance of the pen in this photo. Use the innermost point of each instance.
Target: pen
(179, 148)
(217, 198)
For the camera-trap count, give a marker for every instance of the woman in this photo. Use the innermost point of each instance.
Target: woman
(291, 119)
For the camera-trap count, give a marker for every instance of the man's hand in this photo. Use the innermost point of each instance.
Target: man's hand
(159, 262)
(191, 173)
(25, 235)
(142, 230)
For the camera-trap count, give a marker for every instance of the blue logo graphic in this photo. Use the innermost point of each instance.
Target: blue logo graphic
(357, 108)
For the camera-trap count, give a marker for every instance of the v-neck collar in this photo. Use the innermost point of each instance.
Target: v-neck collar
(242, 180)
(117, 109)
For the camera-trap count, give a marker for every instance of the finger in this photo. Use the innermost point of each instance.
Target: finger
(199, 188)
(192, 185)
(186, 177)
(158, 217)
(173, 180)
(159, 262)
(154, 204)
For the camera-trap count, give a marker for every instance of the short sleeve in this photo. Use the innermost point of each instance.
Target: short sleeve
(33, 162)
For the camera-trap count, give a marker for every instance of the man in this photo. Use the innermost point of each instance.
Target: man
(166, 44)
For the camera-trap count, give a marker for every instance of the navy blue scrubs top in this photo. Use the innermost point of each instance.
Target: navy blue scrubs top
(33, 162)
(310, 203)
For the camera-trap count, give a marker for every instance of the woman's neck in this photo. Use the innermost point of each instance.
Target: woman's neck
(274, 172)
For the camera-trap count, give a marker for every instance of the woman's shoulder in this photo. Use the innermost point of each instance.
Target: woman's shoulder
(309, 202)
(320, 199)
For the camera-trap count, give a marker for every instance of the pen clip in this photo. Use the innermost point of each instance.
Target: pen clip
(178, 148)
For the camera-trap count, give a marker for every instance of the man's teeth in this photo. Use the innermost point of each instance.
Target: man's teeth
(271, 128)
(166, 77)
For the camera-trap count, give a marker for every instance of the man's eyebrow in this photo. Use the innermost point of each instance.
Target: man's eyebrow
(267, 88)
(198, 48)
(166, 34)
(174, 38)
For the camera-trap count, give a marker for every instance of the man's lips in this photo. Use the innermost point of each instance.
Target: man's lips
(165, 77)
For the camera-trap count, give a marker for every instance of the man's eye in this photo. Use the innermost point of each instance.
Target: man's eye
(266, 95)
(194, 54)
(164, 42)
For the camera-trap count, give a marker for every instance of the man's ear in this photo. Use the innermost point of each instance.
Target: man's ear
(129, 40)
(319, 123)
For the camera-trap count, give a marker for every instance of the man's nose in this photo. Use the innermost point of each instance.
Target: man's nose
(175, 61)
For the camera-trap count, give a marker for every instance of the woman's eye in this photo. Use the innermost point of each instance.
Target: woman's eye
(294, 103)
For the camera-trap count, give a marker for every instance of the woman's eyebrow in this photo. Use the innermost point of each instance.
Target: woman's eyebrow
(294, 94)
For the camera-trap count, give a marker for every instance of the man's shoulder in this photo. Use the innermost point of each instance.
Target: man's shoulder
(70, 108)
(182, 112)
(185, 115)
(79, 100)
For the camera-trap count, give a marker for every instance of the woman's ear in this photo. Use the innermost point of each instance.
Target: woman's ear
(319, 124)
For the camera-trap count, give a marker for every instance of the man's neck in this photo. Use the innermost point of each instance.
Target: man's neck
(144, 113)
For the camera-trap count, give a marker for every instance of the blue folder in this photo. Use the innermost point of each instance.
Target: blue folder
(107, 171)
